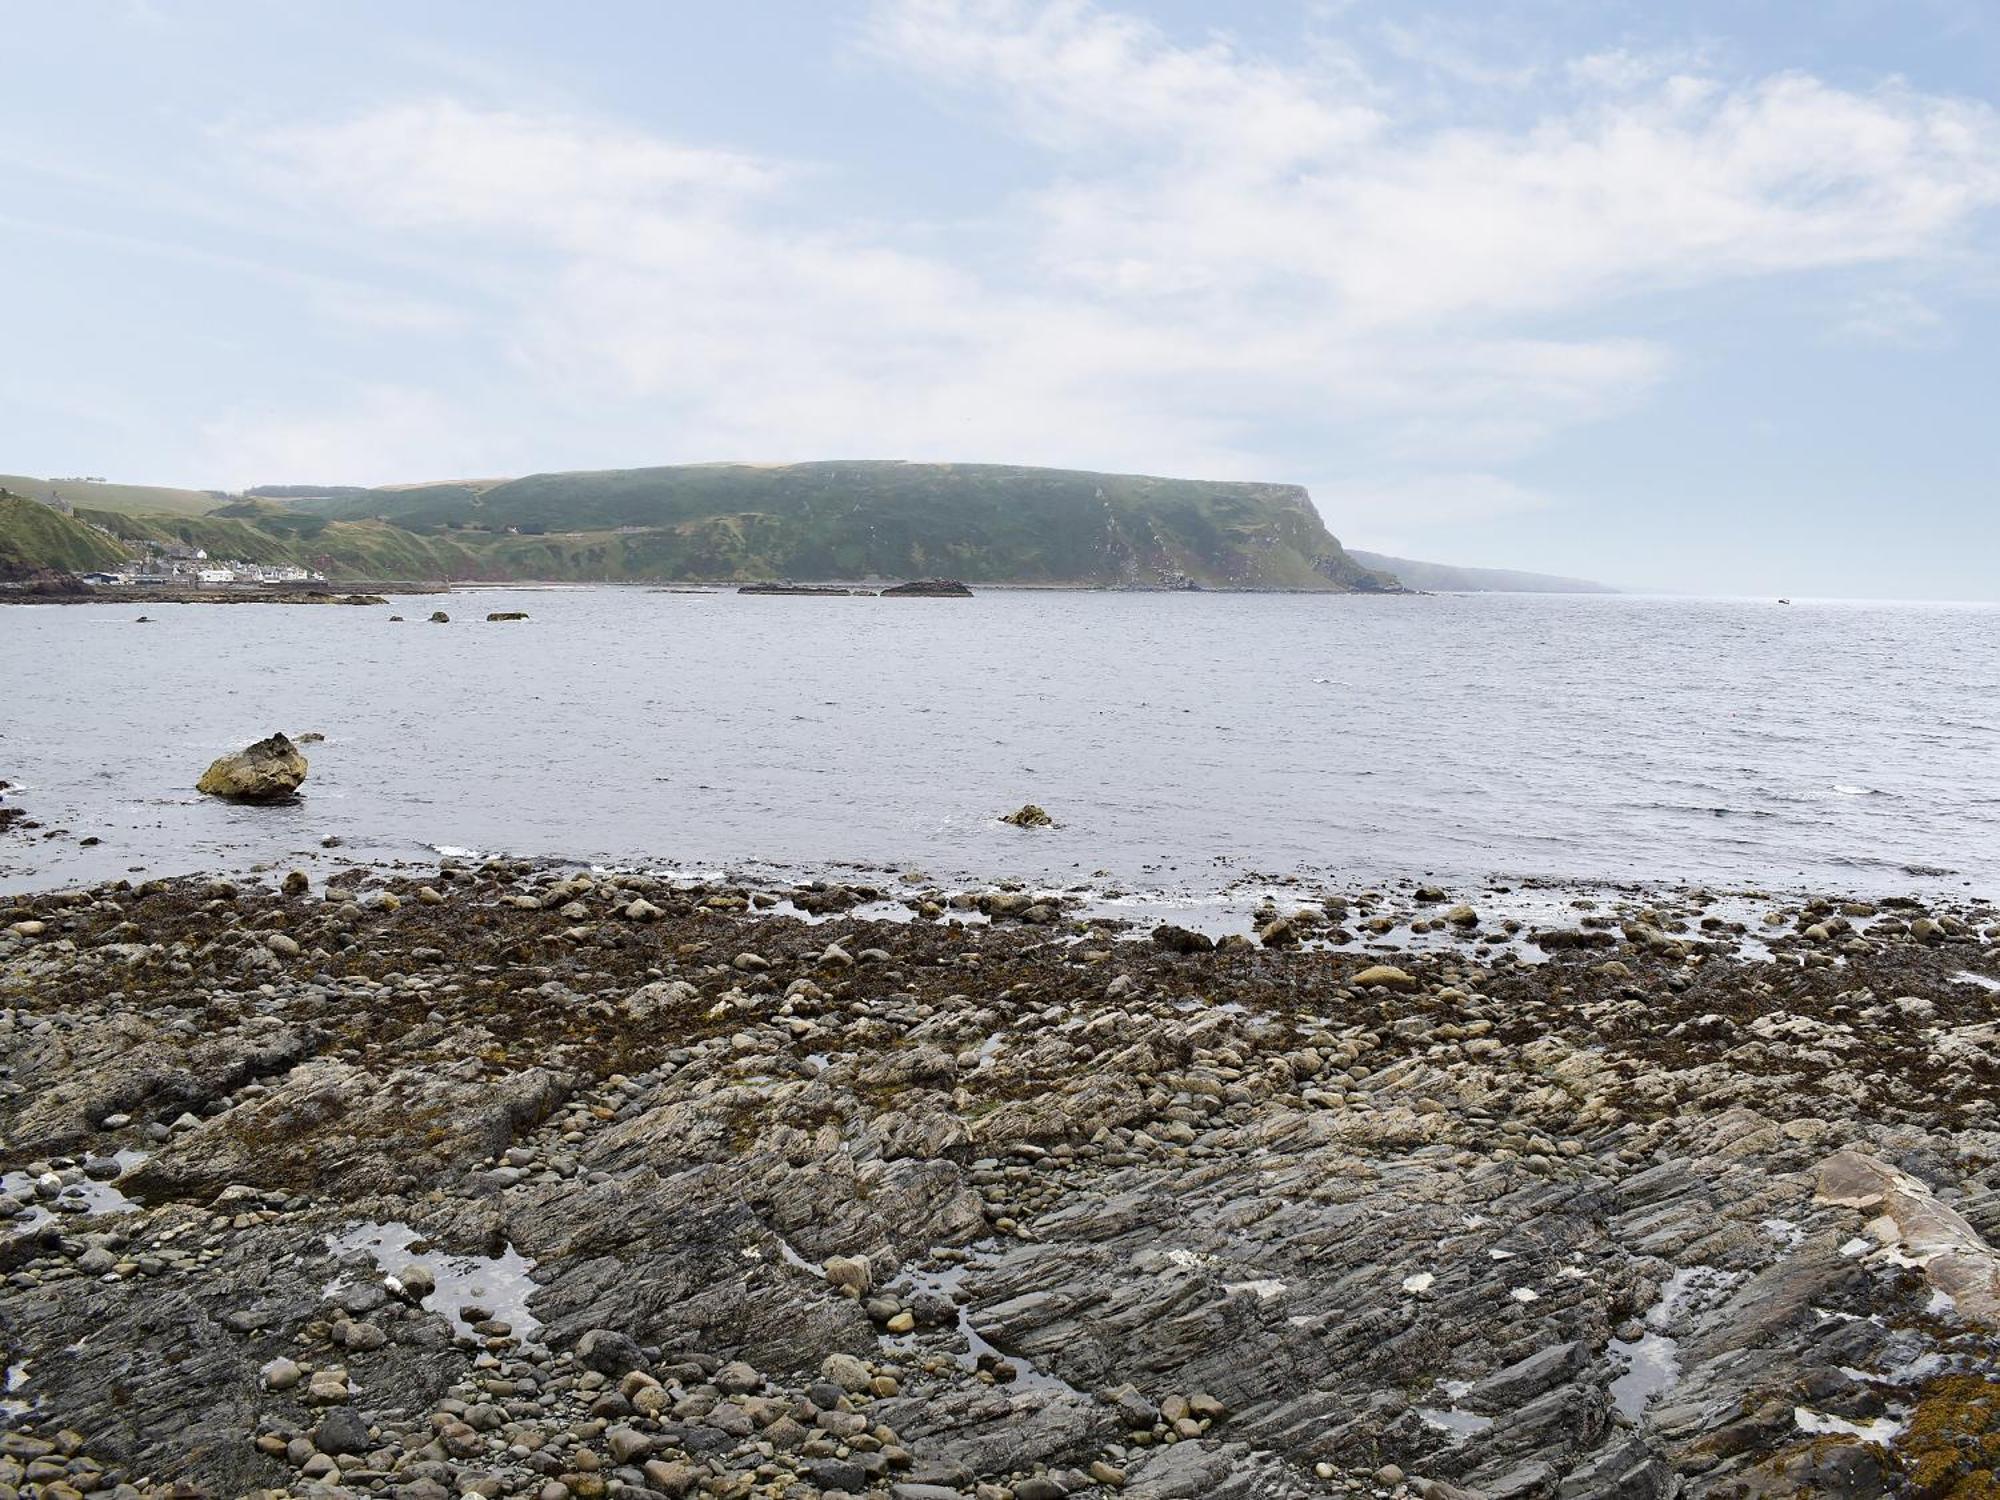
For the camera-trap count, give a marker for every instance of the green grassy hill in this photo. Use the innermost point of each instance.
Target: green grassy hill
(272, 534)
(985, 523)
(128, 499)
(989, 523)
(34, 536)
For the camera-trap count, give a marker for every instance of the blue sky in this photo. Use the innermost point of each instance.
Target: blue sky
(1694, 297)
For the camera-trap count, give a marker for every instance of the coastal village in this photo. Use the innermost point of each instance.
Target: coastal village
(192, 567)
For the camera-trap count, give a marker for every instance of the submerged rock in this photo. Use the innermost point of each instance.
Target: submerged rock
(928, 588)
(507, 614)
(1028, 815)
(268, 771)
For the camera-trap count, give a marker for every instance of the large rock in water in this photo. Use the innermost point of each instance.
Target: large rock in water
(268, 771)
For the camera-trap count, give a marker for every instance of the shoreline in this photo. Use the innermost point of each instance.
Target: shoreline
(359, 592)
(342, 590)
(749, 1189)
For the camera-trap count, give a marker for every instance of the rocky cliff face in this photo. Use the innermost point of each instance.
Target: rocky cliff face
(984, 523)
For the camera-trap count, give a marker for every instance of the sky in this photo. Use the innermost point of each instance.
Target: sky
(1697, 297)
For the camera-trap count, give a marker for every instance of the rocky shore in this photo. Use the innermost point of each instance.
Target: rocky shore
(508, 1180)
(76, 592)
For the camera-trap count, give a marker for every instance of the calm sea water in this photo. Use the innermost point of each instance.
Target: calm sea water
(1182, 741)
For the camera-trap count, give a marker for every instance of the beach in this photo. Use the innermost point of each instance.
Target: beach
(527, 1178)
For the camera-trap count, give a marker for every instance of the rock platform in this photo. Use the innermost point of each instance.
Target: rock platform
(512, 1180)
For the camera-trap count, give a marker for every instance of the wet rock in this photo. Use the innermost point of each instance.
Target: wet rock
(609, 1352)
(1239, 1229)
(269, 771)
(1181, 939)
(341, 1432)
(1386, 975)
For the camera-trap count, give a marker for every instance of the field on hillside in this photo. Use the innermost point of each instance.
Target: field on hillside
(127, 499)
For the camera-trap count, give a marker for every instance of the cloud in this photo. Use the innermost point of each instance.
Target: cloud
(387, 432)
(441, 164)
(1232, 266)
(1375, 507)
(1230, 176)
(1895, 317)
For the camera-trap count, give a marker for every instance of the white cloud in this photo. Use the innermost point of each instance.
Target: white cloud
(386, 433)
(1377, 507)
(440, 164)
(1085, 78)
(1893, 316)
(1226, 252)
(1241, 177)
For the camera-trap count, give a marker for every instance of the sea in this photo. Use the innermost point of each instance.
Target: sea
(1183, 743)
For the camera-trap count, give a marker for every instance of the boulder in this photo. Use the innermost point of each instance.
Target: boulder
(268, 771)
(609, 1352)
(1181, 939)
(439, 617)
(507, 614)
(1028, 815)
(1386, 975)
(342, 1431)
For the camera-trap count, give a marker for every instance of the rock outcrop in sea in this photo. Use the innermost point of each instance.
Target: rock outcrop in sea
(269, 771)
(928, 588)
(519, 1181)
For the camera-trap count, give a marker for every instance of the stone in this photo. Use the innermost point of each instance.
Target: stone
(1386, 975)
(850, 1275)
(268, 771)
(838, 1475)
(327, 1387)
(281, 1374)
(1283, 933)
(1181, 939)
(737, 1379)
(847, 1372)
(627, 1444)
(1028, 815)
(342, 1431)
(673, 1479)
(609, 1352)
